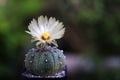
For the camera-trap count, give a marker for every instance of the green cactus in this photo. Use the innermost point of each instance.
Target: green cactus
(45, 61)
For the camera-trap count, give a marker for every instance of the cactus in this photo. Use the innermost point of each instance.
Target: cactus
(45, 61)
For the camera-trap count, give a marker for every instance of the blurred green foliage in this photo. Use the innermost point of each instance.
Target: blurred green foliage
(12, 31)
(96, 22)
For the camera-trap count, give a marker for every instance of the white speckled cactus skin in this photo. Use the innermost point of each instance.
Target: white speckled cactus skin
(45, 62)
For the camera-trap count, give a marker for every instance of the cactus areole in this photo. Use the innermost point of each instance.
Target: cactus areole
(44, 59)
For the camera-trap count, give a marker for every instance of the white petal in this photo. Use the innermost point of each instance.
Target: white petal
(40, 20)
(40, 23)
(38, 43)
(54, 42)
(33, 26)
(51, 22)
(46, 24)
(53, 26)
(58, 35)
(33, 34)
(57, 28)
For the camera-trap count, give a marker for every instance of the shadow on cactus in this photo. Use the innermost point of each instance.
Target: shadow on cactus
(45, 59)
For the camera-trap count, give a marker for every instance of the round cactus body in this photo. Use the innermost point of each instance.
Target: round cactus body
(45, 62)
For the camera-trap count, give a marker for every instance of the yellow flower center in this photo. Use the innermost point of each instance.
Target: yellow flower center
(45, 36)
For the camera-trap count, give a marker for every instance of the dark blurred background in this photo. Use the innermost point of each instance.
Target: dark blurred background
(91, 42)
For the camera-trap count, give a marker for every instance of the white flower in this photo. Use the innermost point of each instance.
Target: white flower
(46, 30)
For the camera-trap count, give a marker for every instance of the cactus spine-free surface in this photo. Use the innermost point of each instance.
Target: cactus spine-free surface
(45, 61)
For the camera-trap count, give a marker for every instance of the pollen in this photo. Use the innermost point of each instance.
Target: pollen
(45, 36)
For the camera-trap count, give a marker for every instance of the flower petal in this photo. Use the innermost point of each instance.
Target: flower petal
(58, 35)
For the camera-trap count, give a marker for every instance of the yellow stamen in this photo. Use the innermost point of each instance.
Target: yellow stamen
(45, 36)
